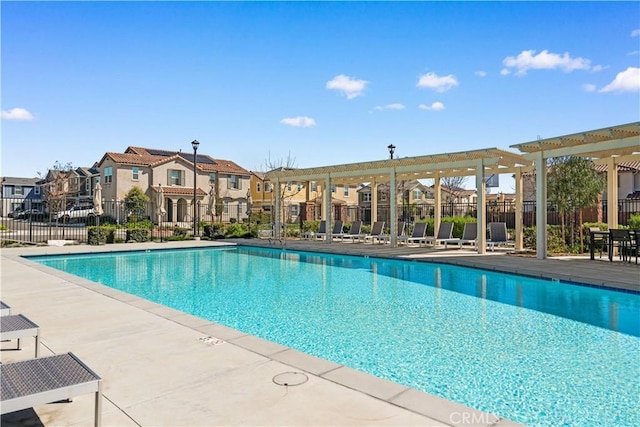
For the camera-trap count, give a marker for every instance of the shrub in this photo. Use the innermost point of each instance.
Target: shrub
(311, 225)
(138, 235)
(100, 235)
(236, 230)
(555, 241)
(634, 221)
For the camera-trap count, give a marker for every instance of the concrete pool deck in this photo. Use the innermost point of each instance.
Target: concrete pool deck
(164, 367)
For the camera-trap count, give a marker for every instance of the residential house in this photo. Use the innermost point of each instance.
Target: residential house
(20, 194)
(220, 187)
(302, 200)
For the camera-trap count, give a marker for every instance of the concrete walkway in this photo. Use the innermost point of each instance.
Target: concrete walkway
(162, 367)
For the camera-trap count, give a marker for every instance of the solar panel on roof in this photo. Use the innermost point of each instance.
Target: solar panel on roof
(164, 153)
(200, 158)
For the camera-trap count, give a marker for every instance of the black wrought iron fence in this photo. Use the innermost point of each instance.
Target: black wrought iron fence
(32, 221)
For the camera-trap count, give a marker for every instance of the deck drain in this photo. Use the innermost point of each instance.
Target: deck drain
(211, 340)
(290, 378)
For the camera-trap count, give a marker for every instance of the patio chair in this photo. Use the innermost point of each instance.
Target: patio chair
(635, 244)
(399, 232)
(498, 235)
(35, 382)
(469, 236)
(377, 232)
(14, 327)
(322, 231)
(599, 241)
(355, 233)
(621, 239)
(417, 235)
(338, 230)
(5, 310)
(445, 232)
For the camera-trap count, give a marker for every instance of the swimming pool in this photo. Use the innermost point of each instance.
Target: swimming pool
(534, 351)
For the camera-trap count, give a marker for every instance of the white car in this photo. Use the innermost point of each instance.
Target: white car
(75, 212)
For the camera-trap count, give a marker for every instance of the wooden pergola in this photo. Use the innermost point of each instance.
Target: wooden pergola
(478, 163)
(608, 146)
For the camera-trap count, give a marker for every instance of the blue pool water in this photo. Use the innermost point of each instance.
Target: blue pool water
(534, 351)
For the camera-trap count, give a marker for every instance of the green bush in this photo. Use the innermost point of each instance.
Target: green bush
(634, 221)
(139, 224)
(236, 230)
(100, 235)
(311, 225)
(555, 242)
(138, 235)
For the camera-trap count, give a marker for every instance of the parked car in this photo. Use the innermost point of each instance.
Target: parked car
(29, 213)
(75, 212)
(15, 213)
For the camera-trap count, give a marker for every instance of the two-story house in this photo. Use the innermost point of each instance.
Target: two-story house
(220, 186)
(19, 194)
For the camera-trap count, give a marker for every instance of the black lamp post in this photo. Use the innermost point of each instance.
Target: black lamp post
(195, 144)
(391, 148)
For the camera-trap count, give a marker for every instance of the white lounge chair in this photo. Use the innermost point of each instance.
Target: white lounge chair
(377, 232)
(498, 235)
(338, 230)
(14, 327)
(5, 310)
(445, 232)
(418, 234)
(469, 236)
(35, 382)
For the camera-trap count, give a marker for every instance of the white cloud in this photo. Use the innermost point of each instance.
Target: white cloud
(481, 73)
(299, 122)
(633, 53)
(588, 87)
(350, 87)
(390, 107)
(626, 81)
(505, 72)
(635, 33)
(437, 83)
(17, 114)
(545, 60)
(436, 106)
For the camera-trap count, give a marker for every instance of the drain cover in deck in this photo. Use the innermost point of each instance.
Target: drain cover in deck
(290, 378)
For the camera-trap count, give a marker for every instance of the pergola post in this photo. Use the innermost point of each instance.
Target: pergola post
(518, 207)
(374, 201)
(612, 193)
(327, 208)
(393, 207)
(437, 197)
(481, 189)
(278, 207)
(541, 205)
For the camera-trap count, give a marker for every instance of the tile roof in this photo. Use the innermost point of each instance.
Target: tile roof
(181, 191)
(152, 157)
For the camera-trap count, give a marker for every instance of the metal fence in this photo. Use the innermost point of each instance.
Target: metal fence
(24, 221)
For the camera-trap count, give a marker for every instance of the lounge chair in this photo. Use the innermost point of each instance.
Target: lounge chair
(35, 382)
(469, 236)
(417, 235)
(445, 232)
(355, 233)
(5, 310)
(498, 235)
(338, 230)
(377, 232)
(399, 232)
(17, 326)
(322, 231)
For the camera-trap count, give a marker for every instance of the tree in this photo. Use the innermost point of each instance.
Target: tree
(573, 184)
(136, 202)
(58, 187)
(282, 164)
(453, 184)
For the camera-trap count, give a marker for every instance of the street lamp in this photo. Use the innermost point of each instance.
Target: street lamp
(195, 144)
(391, 148)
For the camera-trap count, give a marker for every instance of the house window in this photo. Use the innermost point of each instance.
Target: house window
(212, 177)
(136, 173)
(333, 188)
(268, 187)
(234, 182)
(108, 175)
(314, 186)
(240, 209)
(417, 194)
(295, 209)
(17, 190)
(258, 187)
(346, 191)
(36, 189)
(225, 206)
(87, 185)
(288, 185)
(366, 197)
(299, 186)
(175, 177)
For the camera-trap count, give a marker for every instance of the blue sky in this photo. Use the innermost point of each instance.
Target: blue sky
(323, 82)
